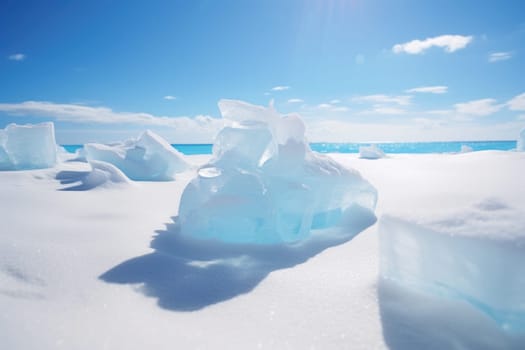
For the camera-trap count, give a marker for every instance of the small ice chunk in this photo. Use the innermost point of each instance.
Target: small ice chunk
(465, 149)
(265, 185)
(371, 152)
(149, 158)
(30, 146)
(521, 141)
(5, 162)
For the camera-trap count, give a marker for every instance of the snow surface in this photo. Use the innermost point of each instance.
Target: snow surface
(107, 268)
(265, 185)
(371, 152)
(148, 158)
(30, 146)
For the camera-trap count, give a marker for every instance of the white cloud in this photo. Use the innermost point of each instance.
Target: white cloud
(499, 56)
(81, 113)
(360, 59)
(295, 100)
(439, 112)
(280, 88)
(332, 106)
(428, 123)
(450, 43)
(428, 89)
(416, 129)
(402, 100)
(340, 109)
(517, 103)
(180, 129)
(169, 97)
(323, 109)
(479, 108)
(17, 57)
(394, 122)
(386, 110)
(384, 104)
(87, 114)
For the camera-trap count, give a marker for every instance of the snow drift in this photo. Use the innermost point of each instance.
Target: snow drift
(148, 158)
(265, 185)
(30, 146)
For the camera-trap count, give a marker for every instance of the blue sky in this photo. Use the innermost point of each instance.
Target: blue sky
(380, 70)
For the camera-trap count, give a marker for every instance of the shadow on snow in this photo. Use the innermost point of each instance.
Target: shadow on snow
(413, 320)
(186, 274)
(76, 180)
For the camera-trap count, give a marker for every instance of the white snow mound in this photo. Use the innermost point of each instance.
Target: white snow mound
(148, 158)
(30, 146)
(265, 185)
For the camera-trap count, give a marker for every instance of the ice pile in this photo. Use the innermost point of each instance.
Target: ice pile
(476, 257)
(521, 140)
(100, 174)
(371, 152)
(148, 158)
(265, 185)
(30, 146)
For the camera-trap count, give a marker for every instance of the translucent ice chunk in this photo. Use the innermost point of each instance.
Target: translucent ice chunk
(521, 140)
(265, 185)
(149, 158)
(371, 152)
(30, 146)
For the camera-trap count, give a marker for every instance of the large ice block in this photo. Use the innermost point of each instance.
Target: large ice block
(30, 146)
(265, 185)
(148, 158)
(476, 256)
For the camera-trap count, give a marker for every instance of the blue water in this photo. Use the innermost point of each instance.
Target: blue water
(416, 147)
(387, 147)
